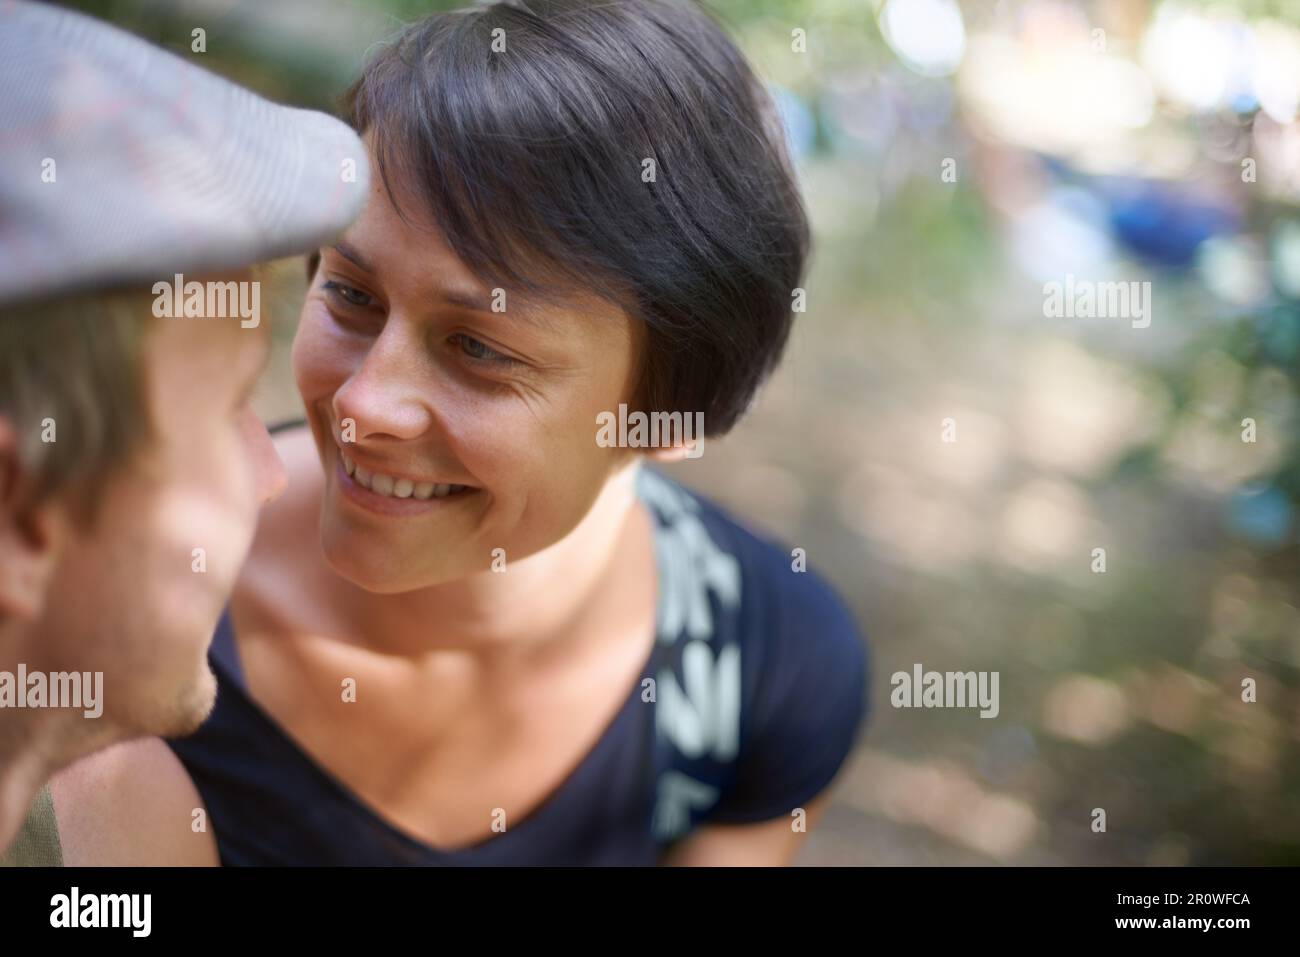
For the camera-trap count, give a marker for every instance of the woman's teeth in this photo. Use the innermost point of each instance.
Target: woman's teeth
(382, 484)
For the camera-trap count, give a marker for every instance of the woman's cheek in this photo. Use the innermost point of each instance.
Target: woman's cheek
(481, 443)
(321, 354)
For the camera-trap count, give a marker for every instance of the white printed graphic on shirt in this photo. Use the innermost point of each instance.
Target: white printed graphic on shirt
(705, 717)
(690, 564)
(678, 793)
(700, 716)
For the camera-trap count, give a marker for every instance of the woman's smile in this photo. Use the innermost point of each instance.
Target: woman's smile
(388, 494)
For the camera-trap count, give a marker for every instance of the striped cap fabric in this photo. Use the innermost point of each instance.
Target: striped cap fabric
(123, 163)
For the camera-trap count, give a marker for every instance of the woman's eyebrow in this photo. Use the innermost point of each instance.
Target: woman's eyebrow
(350, 253)
(464, 297)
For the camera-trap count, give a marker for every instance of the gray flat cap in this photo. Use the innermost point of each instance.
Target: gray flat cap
(121, 162)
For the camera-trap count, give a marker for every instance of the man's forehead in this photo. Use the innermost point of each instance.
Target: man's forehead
(211, 319)
(219, 343)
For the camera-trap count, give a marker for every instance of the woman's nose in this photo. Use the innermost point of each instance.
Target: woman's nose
(387, 395)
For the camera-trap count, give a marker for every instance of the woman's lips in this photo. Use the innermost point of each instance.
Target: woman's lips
(388, 495)
(396, 485)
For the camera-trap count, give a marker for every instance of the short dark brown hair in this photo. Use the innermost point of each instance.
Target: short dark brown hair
(530, 161)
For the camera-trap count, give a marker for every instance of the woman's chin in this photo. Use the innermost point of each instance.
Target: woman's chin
(380, 570)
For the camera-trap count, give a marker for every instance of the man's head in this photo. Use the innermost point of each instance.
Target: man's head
(131, 470)
(131, 466)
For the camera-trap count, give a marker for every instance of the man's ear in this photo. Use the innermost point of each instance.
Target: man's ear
(32, 537)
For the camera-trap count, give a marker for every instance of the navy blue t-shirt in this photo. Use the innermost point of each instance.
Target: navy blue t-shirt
(759, 687)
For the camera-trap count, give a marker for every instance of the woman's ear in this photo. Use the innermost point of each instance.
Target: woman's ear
(682, 450)
(31, 537)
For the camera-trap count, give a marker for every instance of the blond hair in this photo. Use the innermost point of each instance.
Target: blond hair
(72, 388)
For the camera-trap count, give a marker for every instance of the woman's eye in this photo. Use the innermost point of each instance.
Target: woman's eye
(480, 352)
(353, 297)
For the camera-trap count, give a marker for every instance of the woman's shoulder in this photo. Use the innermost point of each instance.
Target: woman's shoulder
(786, 682)
(774, 587)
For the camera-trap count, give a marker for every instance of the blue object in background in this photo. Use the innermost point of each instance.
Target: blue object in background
(1260, 514)
(797, 120)
(1162, 223)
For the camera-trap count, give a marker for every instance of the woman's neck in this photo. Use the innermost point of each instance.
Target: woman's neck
(537, 609)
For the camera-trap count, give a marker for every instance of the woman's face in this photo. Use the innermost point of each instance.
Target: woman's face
(413, 384)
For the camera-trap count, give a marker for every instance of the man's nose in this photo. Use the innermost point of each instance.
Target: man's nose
(268, 470)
